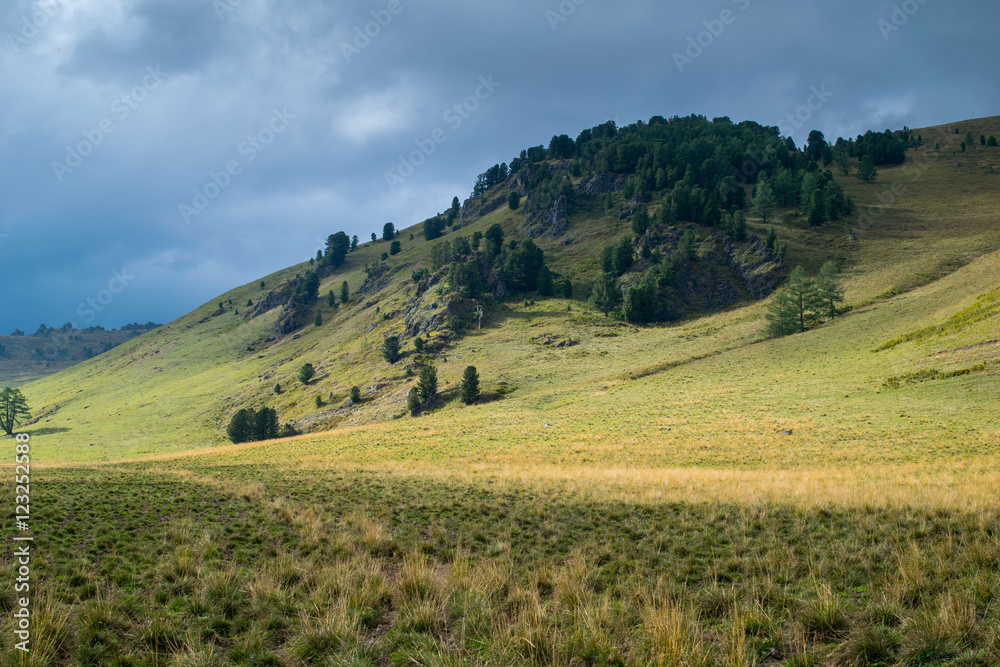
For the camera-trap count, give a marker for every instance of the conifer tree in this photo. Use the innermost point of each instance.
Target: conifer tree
(764, 202)
(470, 386)
(390, 349)
(427, 387)
(828, 288)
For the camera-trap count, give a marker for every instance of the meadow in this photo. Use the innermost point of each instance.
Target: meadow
(686, 494)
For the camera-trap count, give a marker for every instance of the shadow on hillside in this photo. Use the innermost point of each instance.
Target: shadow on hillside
(48, 430)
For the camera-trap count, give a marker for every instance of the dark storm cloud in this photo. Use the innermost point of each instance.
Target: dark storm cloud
(361, 87)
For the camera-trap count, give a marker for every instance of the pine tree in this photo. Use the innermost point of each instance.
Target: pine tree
(331, 299)
(567, 289)
(828, 288)
(764, 202)
(418, 344)
(277, 388)
(514, 201)
(395, 248)
(605, 294)
(241, 426)
(390, 349)
(355, 394)
(306, 373)
(867, 172)
(265, 424)
(344, 293)
(13, 409)
(802, 294)
(780, 316)
(318, 320)
(413, 401)
(545, 286)
(427, 386)
(470, 386)
(818, 212)
(388, 231)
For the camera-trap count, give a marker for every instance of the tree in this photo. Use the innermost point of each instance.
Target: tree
(545, 286)
(388, 231)
(495, 235)
(992, 141)
(470, 386)
(982, 139)
(319, 401)
(241, 427)
(605, 294)
(640, 303)
(818, 212)
(969, 139)
(318, 320)
(433, 227)
(567, 289)
(640, 221)
(413, 401)
(395, 248)
(427, 386)
(455, 205)
(344, 292)
(815, 145)
(374, 237)
(331, 299)
(355, 394)
(842, 157)
(802, 302)
(306, 373)
(514, 201)
(780, 317)
(390, 349)
(265, 424)
(277, 388)
(829, 291)
(337, 247)
(354, 242)
(13, 409)
(763, 201)
(867, 172)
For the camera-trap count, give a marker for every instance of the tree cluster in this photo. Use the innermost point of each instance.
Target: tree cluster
(249, 425)
(804, 301)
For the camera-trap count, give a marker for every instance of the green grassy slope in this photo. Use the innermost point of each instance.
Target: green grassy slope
(175, 389)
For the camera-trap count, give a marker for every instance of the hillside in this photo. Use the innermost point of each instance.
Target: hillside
(24, 358)
(684, 492)
(177, 387)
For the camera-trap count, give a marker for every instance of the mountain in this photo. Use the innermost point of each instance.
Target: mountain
(666, 484)
(24, 358)
(915, 249)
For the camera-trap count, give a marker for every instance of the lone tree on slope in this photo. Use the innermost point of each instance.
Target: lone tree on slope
(470, 386)
(13, 409)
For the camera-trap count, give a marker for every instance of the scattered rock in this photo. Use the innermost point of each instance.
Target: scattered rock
(786, 432)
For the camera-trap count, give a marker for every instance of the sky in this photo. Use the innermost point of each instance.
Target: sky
(157, 153)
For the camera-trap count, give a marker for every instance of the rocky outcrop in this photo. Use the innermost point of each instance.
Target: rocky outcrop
(758, 268)
(554, 221)
(379, 277)
(602, 184)
(481, 205)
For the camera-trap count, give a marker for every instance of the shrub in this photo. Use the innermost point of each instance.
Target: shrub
(418, 344)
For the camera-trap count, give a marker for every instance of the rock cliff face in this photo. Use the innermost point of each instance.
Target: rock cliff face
(602, 184)
(293, 313)
(554, 221)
